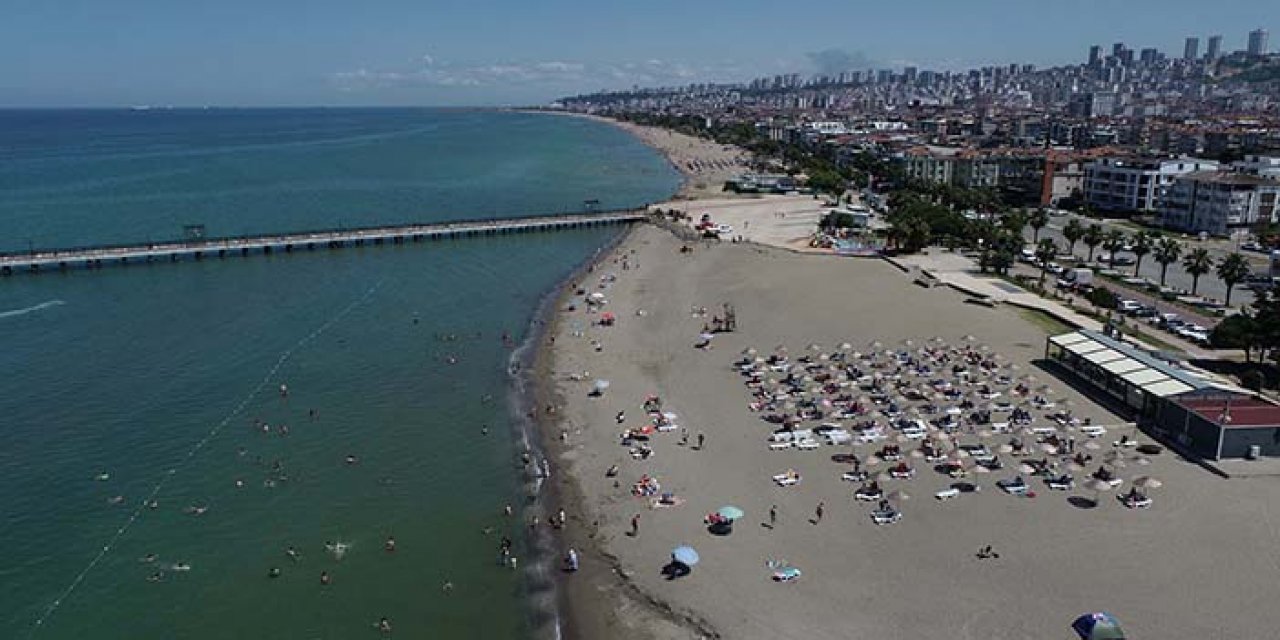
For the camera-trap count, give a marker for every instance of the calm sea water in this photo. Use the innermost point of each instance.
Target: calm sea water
(161, 376)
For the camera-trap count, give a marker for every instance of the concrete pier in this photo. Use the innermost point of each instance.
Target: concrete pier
(93, 257)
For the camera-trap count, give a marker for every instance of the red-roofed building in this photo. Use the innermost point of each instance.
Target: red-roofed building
(1218, 424)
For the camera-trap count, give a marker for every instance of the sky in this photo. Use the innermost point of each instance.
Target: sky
(66, 53)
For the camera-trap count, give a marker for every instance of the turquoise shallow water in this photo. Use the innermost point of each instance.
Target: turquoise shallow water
(159, 376)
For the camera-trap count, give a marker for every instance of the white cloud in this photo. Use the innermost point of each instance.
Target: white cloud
(550, 75)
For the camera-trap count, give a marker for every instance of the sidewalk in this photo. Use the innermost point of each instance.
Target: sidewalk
(960, 272)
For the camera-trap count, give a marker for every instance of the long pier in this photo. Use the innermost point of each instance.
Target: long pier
(94, 257)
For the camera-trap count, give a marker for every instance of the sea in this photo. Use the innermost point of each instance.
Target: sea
(194, 450)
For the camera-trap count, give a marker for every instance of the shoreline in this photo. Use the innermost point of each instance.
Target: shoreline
(583, 599)
(704, 165)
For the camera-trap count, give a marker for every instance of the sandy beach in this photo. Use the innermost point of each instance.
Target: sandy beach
(706, 164)
(1198, 563)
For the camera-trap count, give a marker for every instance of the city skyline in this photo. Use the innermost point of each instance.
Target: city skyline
(237, 54)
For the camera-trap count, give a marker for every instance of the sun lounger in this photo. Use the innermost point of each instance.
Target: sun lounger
(1014, 487)
(888, 516)
(808, 444)
(780, 446)
(1062, 483)
(786, 479)
(1093, 430)
(854, 476)
(1139, 501)
(868, 496)
(947, 494)
(906, 474)
(786, 574)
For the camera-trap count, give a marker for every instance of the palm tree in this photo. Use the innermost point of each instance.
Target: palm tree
(1092, 238)
(1167, 252)
(1197, 263)
(1038, 220)
(1046, 250)
(1112, 242)
(1141, 245)
(1072, 233)
(1232, 270)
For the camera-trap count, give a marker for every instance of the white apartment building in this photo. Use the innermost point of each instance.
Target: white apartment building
(1265, 166)
(1217, 202)
(1135, 184)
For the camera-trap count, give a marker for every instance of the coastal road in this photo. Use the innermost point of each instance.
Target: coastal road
(1178, 278)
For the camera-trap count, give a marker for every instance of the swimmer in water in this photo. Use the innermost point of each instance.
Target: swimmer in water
(181, 566)
(351, 459)
(390, 544)
(384, 625)
(197, 510)
(102, 477)
(115, 499)
(153, 504)
(447, 586)
(239, 483)
(274, 572)
(156, 577)
(325, 580)
(292, 553)
(284, 391)
(149, 558)
(484, 430)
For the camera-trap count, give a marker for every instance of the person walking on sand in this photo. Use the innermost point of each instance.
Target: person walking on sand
(817, 513)
(635, 525)
(684, 436)
(702, 438)
(773, 515)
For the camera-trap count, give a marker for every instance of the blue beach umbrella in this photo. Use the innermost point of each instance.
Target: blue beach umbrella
(730, 512)
(685, 555)
(1098, 626)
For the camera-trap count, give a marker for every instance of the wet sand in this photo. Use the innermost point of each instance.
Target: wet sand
(1199, 563)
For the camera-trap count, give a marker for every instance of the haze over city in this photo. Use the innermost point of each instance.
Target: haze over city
(450, 53)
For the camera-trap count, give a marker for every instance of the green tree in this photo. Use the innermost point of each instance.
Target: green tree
(1112, 242)
(1167, 252)
(1102, 298)
(1072, 233)
(1239, 331)
(1232, 270)
(1038, 220)
(1142, 244)
(1046, 250)
(1092, 238)
(1197, 263)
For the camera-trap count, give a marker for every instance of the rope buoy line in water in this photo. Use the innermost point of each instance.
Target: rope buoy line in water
(191, 453)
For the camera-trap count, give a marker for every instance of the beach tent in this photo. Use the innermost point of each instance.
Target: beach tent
(1098, 626)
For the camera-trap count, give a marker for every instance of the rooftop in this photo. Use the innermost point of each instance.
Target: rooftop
(1222, 177)
(1242, 411)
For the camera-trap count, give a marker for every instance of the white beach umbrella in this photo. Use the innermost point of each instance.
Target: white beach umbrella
(1091, 445)
(898, 496)
(1005, 448)
(1026, 468)
(1143, 461)
(980, 469)
(1147, 482)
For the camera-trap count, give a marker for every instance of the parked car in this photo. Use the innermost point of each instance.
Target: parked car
(1128, 306)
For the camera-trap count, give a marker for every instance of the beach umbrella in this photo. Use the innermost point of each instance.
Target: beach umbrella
(685, 555)
(1049, 449)
(980, 469)
(845, 346)
(1096, 485)
(601, 385)
(1098, 626)
(916, 453)
(1141, 460)
(730, 512)
(897, 496)
(883, 476)
(1147, 482)
(1026, 468)
(1091, 445)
